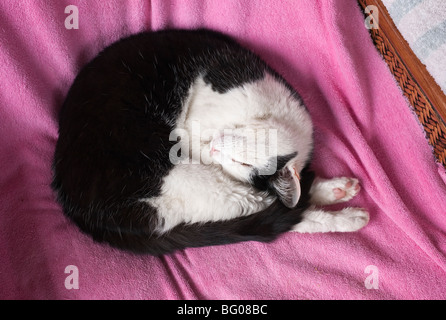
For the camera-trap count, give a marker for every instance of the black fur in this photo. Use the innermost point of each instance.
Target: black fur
(264, 226)
(120, 111)
(263, 182)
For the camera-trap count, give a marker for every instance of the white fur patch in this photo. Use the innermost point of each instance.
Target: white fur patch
(265, 105)
(200, 193)
(201, 190)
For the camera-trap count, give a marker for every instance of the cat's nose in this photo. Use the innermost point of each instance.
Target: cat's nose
(213, 151)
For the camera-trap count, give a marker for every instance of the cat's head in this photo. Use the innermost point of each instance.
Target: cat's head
(269, 155)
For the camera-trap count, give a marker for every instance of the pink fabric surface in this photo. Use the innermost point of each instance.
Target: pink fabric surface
(364, 128)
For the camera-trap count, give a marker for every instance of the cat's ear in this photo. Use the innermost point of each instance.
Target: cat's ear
(287, 185)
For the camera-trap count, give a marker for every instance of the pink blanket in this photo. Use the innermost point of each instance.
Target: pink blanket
(364, 128)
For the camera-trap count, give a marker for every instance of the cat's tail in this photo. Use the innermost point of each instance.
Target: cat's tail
(263, 226)
(131, 226)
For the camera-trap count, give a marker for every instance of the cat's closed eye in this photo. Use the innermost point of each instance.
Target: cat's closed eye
(242, 163)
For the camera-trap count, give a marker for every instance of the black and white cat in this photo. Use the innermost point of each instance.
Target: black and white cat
(177, 139)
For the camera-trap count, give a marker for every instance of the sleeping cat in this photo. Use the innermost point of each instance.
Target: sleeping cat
(176, 139)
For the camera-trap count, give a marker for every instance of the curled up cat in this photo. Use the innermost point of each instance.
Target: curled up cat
(177, 139)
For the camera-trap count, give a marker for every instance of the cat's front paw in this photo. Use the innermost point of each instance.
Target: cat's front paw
(336, 190)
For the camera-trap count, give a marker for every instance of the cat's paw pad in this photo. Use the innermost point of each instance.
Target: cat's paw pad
(345, 189)
(336, 190)
(352, 219)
